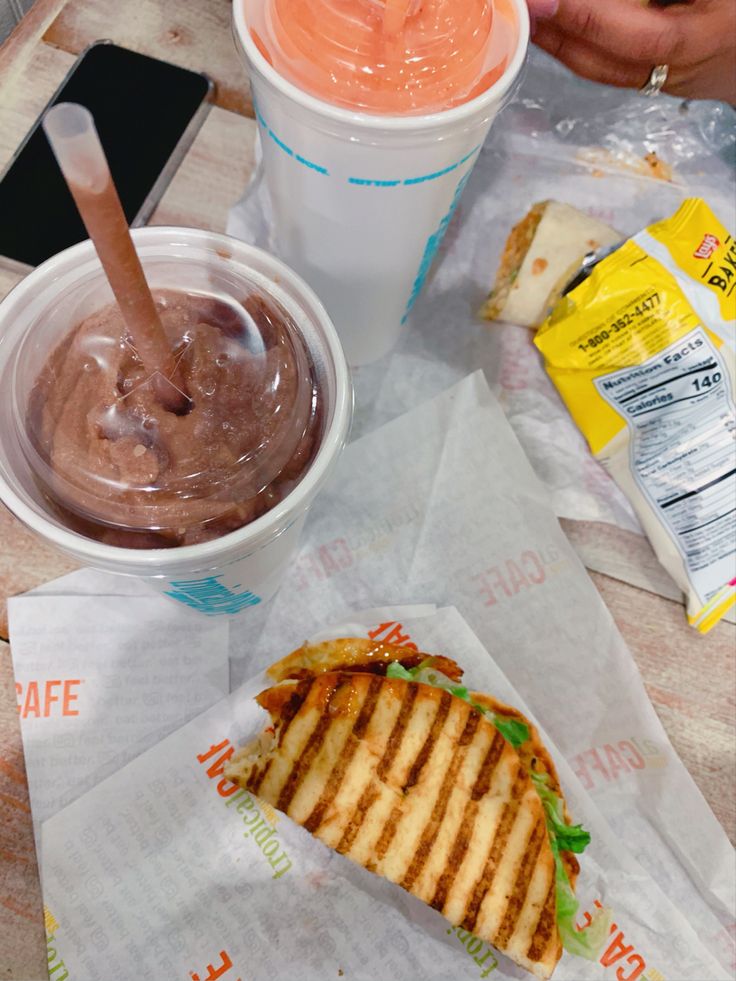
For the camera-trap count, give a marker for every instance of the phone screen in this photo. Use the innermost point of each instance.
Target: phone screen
(141, 107)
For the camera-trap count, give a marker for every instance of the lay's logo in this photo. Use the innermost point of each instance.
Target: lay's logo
(707, 247)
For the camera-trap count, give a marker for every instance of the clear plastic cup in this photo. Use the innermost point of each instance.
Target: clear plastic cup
(238, 569)
(361, 201)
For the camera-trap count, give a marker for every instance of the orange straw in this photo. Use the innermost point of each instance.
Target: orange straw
(71, 132)
(394, 16)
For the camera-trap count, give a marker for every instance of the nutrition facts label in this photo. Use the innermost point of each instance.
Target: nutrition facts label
(680, 411)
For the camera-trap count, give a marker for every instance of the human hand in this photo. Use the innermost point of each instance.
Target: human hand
(618, 42)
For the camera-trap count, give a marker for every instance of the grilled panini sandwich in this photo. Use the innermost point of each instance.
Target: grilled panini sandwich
(422, 782)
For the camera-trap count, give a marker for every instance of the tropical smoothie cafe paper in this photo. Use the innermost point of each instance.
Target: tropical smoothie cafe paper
(186, 875)
(90, 694)
(442, 505)
(584, 145)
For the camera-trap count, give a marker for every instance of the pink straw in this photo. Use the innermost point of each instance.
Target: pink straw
(71, 132)
(395, 14)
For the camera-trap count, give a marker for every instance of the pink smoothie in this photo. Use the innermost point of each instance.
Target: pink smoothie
(394, 57)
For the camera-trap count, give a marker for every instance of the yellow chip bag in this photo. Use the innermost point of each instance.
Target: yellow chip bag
(643, 354)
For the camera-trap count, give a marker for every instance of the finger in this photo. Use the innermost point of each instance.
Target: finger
(676, 34)
(589, 61)
(708, 80)
(713, 79)
(540, 9)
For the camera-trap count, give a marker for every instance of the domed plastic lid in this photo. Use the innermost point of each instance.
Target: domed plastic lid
(119, 467)
(386, 56)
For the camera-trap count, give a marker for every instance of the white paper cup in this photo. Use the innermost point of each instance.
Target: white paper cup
(361, 201)
(239, 570)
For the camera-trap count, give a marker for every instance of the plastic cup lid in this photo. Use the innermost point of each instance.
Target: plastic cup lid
(107, 453)
(386, 56)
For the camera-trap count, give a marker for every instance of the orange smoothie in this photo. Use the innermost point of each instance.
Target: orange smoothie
(393, 57)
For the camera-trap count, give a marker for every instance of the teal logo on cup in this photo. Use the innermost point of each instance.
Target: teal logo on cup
(211, 596)
(433, 243)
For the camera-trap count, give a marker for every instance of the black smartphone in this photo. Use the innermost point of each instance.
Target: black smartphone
(147, 113)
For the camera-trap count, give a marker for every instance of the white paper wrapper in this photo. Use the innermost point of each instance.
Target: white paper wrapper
(560, 138)
(441, 505)
(100, 678)
(167, 870)
(92, 582)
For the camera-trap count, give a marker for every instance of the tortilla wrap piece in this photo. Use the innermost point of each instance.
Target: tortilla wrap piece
(542, 253)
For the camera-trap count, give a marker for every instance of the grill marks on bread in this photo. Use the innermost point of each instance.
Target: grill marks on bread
(417, 786)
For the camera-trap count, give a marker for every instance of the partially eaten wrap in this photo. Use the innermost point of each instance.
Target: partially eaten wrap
(542, 254)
